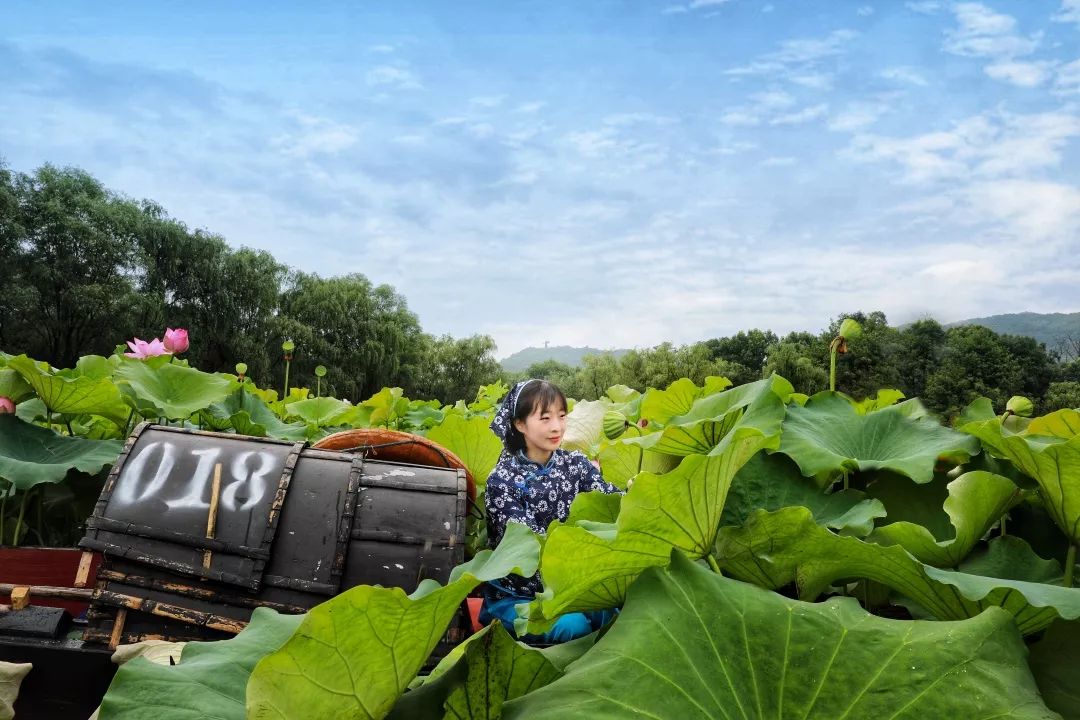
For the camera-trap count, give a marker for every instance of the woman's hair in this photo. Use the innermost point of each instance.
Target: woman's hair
(536, 394)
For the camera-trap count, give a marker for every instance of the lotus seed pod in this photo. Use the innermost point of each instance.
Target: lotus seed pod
(241, 369)
(850, 329)
(320, 370)
(614, 424)
(1020, 405)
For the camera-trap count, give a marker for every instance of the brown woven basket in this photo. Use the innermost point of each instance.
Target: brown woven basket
(395, 446)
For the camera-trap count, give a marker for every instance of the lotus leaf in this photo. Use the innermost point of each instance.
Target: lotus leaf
(589, 568)
(71, 392)
(621, 461)
(209, 681)
(13, 387)
(976, 502)
(1062, 424)
(770, 482)
(829, 436)
(381, 637)
(594, 506)
(774, 549)
(1052, 461)
(472, 441)
(248, 414)
(884, 398)
(659, 406)
(585, 425)
(171, 391)
(491, 669)
(1055, 663)
(30, 454)
(692, 644)
(321, 412)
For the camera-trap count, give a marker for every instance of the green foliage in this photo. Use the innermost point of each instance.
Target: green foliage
(691, 644)
(30, 454)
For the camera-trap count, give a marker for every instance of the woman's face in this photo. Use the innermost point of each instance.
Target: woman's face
(543, 430)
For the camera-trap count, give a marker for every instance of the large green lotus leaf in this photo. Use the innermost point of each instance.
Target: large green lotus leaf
(13, 387)
(708, 422)
(321, 412)
(1053, 462)
(884, 398)
(770, 482)
(209, 681)
(171, 391)
(595, 506)
(620, 462)
(585, 425)
(691, 645)
(248, 414)
(774, 549)
(976, 501)
(659, 406)
(493, 669)
(590, 567)
(1055, 663)
(1062, 423)
(30, 454)
(380, 637)
(829, 435)
(472, 441)
(11, 676)
(71, 392)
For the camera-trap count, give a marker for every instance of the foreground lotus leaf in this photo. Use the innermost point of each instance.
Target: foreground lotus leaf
(491, 669)
(775, 549)
(320, 412)
(1055, 663)
(976, 502)
(248, 414)
(691, 644)
(208, 682)
(829, 436)
(30, 454)
(380, 637)
(659, 406)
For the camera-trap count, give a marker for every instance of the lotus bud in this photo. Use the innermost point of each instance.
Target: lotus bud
(1020, 405)
(850, 329)
(614, 424)
(7, 406)
(176, 341)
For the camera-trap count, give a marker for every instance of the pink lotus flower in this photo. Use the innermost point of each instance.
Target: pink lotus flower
(176, 341)
(142, 349)
(7, 406)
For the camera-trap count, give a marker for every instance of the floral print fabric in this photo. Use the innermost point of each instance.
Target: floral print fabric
(522, 491)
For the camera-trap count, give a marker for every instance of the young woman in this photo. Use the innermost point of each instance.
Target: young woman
(533, 484)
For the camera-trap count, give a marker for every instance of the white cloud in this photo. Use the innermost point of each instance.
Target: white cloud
(1069, 12)
(393, 76)
(926, 7)
(903, 74)
(805, 115)
(734, 148)
(785, 161)
(694, 5)
(1022, 74)
(487, 101)
(740, 118)
(982, 32)
(797, 57)
(381, 49)
(857, 116)
(530, 107)
(316, 136)
(1067, 81)
(864, 10)
(992, 145)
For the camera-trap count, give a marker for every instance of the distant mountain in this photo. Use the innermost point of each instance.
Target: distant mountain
(1047, 328)
(565, 354)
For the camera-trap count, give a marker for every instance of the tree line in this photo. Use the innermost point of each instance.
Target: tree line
(86, 268)
(946, 367)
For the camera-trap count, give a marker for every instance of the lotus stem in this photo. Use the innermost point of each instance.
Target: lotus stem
(22, 513)
(833, 346)
(1070, 563)
(3, 506)
(285, 393)
(1004, 532)
(713, 564)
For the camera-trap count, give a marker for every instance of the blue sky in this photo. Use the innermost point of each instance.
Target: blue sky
(604, 173)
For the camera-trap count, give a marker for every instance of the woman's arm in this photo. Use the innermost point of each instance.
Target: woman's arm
(593, 480)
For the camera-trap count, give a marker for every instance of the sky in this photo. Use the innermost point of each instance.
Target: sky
(610, 173)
